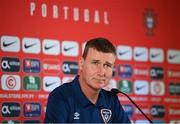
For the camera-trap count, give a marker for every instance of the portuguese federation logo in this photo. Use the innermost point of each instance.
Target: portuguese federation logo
(106, 115)
(150, 19)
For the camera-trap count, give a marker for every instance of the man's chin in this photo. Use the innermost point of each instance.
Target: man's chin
(100, 86)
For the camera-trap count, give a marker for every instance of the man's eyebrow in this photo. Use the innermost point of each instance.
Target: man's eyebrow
(109, 63)
(95, 60)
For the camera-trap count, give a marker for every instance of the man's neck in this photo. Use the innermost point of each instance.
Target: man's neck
(89, 92)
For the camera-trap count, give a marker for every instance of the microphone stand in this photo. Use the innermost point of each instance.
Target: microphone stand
(117, 91)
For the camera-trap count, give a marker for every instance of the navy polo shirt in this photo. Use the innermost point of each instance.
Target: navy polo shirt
(68, 104)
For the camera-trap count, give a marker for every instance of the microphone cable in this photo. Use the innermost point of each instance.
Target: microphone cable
(116, 91)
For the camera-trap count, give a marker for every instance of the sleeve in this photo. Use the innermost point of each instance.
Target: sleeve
(120, 115)
(57, 110)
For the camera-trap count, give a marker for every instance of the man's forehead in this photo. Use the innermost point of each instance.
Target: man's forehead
(93, 50)
(93, 54)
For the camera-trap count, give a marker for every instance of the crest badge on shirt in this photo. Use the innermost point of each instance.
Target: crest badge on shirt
(106, 115)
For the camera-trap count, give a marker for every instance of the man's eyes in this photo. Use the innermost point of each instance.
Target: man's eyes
(108, 65)
(94, 62)
(105, 65)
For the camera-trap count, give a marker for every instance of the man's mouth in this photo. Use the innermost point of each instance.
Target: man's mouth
(100, 80)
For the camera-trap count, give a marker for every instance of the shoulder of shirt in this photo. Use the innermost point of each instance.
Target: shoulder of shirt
(63, 90)
(108, 93)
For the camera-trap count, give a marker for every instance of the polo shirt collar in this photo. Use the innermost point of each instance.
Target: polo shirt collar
(83, 100)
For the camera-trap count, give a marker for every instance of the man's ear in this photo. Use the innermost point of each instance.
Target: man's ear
(81, 62)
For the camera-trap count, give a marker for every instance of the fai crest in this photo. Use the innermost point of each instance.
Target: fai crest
(106, 115)
(150, 21)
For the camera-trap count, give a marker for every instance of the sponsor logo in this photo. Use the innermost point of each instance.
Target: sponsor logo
(141, 54)
(174, 121)
(31, 45)
(70, 67)
(141, 71)
(129, 110)
(156, 55)
(10, 44)
(31, 83)
(125, 86)
(10, 64)
(76, 116)
(10, 82)
(125, 71)
(172, 73)
(51, 47)
(150, 20)
(174, 88)
(141, 87)
(51, 66)
(112, 84)
(157, 73)
(10, 109)
(106, 115)
(175, 111)
(31, 65)
(157, 88)
(50, 83)
(124, 52)
(28, 46)
(70, 48)
(173, 56)
(32, 109)
(158, 111)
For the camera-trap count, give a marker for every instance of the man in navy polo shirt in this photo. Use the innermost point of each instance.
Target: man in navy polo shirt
(83, 100)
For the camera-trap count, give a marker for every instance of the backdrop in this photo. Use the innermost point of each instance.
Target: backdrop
(42, 40)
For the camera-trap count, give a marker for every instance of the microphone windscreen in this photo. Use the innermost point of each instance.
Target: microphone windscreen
(115, 91)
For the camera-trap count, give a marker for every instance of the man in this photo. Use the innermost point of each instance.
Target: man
(83, 100)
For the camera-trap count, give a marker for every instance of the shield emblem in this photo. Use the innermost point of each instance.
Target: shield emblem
(106, 115)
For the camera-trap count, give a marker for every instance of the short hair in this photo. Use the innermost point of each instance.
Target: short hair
(101, 45)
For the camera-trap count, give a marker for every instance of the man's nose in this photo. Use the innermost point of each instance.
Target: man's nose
(101, 70)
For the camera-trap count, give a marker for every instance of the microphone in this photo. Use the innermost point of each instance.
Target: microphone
(116, 91)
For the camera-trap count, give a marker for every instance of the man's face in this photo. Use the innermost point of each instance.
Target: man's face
(96, 70)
